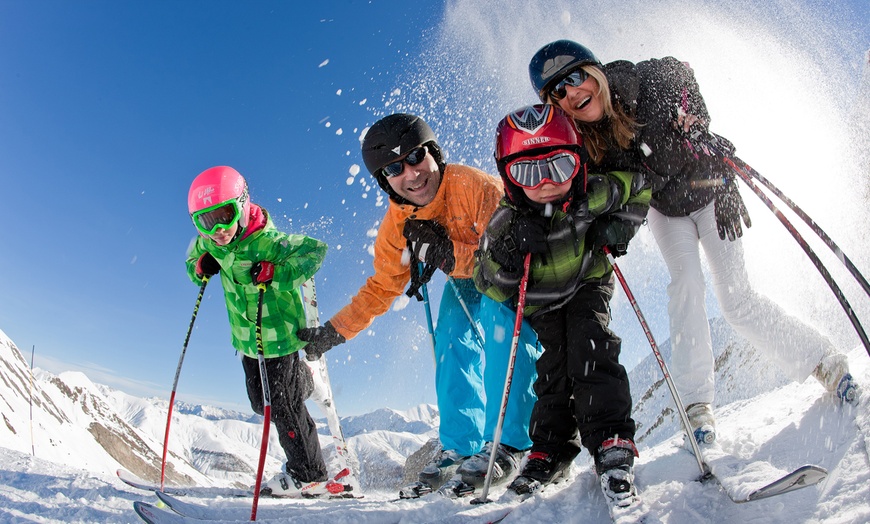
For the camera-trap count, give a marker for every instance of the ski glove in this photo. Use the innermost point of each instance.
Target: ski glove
(730, 210)
(611, 232)
(320, 340)
(419, 277)
(528, 234)
(429, 243)
(207, 266)
(262, 272)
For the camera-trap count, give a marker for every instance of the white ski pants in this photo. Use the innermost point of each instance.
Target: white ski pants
(793, 346)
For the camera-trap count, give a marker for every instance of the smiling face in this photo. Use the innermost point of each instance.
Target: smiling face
(418, 184)
(583, 102)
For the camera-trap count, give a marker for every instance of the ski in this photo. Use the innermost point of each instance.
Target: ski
(132, 480)
(322, 394)
(154, 515)
(747, 481)
(233, 510)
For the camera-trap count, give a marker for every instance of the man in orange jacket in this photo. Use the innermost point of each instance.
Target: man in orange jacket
(438, 212)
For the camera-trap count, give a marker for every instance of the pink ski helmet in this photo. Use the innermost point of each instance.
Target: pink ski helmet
(218, 198)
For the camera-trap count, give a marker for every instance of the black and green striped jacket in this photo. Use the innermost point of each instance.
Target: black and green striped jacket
(555, 276)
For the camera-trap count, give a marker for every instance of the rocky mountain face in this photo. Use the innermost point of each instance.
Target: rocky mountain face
(741, 373)
(70, 420)
(67, 419)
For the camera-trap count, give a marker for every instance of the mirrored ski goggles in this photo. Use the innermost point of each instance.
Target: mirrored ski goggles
(556, 167)
(219, 216)
(576, 78)
(412, 159)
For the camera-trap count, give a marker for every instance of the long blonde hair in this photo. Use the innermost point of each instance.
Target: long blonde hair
(621, 129)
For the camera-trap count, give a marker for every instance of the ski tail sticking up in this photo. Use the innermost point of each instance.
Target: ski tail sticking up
(322, 394)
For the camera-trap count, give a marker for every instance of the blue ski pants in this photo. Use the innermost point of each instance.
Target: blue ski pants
(470, 379)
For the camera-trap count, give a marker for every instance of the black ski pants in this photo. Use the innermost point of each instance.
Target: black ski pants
(290, 384)
(581, 386)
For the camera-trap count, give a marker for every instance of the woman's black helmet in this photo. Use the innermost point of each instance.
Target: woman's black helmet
(555, 61)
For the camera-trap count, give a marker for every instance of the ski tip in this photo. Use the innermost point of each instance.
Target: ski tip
(152, 514)
(166, 499)
(802, 477)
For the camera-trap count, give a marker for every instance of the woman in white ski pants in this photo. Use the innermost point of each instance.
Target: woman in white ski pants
(793, 346)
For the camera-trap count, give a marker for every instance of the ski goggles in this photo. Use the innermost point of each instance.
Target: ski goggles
(412, 159)
(219, 216)
(576, 78)
(557, 167)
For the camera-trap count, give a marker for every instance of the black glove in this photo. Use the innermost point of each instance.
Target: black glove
(262, 272)
(611, 232)
(730, 210)
(419, 278)
(207, 266)
(429, 243)
(320, 340)
(528, 234)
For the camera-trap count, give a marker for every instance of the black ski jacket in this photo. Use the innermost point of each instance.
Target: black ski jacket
(651, 91)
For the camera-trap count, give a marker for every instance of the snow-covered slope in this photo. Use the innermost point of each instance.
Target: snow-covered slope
(760, 416)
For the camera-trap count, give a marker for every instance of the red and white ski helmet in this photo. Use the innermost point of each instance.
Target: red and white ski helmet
(219, 185)
(539, 126)
(536, 131)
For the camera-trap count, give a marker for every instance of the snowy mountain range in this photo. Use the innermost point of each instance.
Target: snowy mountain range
(63, 437)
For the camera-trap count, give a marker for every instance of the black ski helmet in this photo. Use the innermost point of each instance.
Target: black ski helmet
(555, 61)
(393, 137)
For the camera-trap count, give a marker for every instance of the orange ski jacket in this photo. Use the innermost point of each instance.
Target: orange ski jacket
(464, 203)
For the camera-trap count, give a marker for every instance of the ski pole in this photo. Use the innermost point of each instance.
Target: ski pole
(712, 144)
(267, 401)
(425, 292)
(838, 293)
(518, 325)
(178, 374)
(477, 334)
(812, 224)
(684, 418)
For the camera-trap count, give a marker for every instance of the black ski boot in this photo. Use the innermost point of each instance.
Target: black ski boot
(614, 463)
(541, 469)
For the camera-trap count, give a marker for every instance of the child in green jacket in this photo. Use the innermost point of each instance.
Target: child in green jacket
(239, 241)
(563, 216)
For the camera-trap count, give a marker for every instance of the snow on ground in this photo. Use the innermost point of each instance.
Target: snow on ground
(790, 426)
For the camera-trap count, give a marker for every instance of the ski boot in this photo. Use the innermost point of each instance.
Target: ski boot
(415, 490)
(455, 488)
(702, 422)
(541, 469)
(833, 373)
(847, 389)
(284, 485)
(440, 469)
(507, 463)
(614, 463)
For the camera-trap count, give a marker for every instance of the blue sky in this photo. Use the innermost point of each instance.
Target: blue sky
(109, 109)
